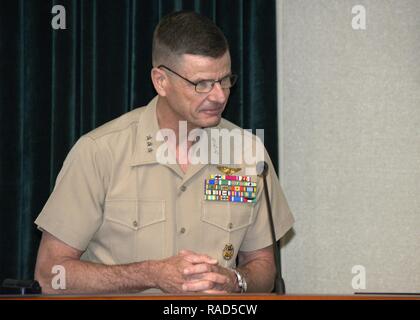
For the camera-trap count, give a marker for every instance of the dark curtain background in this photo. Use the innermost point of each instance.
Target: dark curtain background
(56, 85)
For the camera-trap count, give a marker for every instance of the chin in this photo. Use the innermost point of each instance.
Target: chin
(210, 122)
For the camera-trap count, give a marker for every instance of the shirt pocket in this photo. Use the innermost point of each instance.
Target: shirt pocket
(135, 229)
(225, 225)
(228, 216)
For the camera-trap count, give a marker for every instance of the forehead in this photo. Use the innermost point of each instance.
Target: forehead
(205, 67)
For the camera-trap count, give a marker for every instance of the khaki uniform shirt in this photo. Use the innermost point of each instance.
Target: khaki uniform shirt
(116, 203)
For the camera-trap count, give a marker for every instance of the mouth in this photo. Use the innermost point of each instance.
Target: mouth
(212, 111)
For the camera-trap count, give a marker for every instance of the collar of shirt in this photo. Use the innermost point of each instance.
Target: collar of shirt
(146, 145)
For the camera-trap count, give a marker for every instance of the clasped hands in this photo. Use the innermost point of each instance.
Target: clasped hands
(192, 272)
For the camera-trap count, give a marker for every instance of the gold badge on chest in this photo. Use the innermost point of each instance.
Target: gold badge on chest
(228, 170)
(228, 251)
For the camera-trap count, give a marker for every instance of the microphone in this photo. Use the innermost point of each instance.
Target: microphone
(262, 171)
(17, 286)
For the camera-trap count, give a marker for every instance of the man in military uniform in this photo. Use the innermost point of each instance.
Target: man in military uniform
(121, 220)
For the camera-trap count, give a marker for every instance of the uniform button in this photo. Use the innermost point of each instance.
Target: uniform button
(183, 188)
(230, 225)
(182, 230)
(135, 224)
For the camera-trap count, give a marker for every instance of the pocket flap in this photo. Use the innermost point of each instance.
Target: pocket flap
(135, 214)
(123, 212)
(229, 216)
(150, 212)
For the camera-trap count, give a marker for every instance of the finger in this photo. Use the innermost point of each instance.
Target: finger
(198, 268)
(194, 257)
(197, 285)
(216, 278)
(200, 258)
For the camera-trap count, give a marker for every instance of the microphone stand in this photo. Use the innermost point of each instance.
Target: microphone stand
(279, 282)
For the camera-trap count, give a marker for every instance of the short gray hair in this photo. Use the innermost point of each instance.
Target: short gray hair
(187, 32)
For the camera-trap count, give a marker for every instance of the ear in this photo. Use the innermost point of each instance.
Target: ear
(159, 79)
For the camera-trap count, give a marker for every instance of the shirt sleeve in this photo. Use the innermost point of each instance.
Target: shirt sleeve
(258, 235)
(74, 210)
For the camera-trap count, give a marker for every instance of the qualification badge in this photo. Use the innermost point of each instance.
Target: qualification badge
(228, 170)
(228, 251)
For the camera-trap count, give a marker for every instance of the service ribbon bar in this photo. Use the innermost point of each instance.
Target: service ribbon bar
(230, 188)
(225, 182)
(230, 199)
(232, 178)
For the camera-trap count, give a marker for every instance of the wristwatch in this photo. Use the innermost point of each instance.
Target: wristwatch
(241, 281)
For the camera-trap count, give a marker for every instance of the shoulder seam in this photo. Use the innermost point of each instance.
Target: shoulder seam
(91, 136)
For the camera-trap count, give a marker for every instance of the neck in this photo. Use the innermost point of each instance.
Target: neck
(168, 119)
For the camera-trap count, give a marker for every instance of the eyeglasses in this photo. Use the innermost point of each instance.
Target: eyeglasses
(205, 86)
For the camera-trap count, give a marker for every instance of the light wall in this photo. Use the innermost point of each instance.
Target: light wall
(349, 121)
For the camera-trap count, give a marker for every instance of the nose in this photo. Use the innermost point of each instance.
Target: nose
(218, 94)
